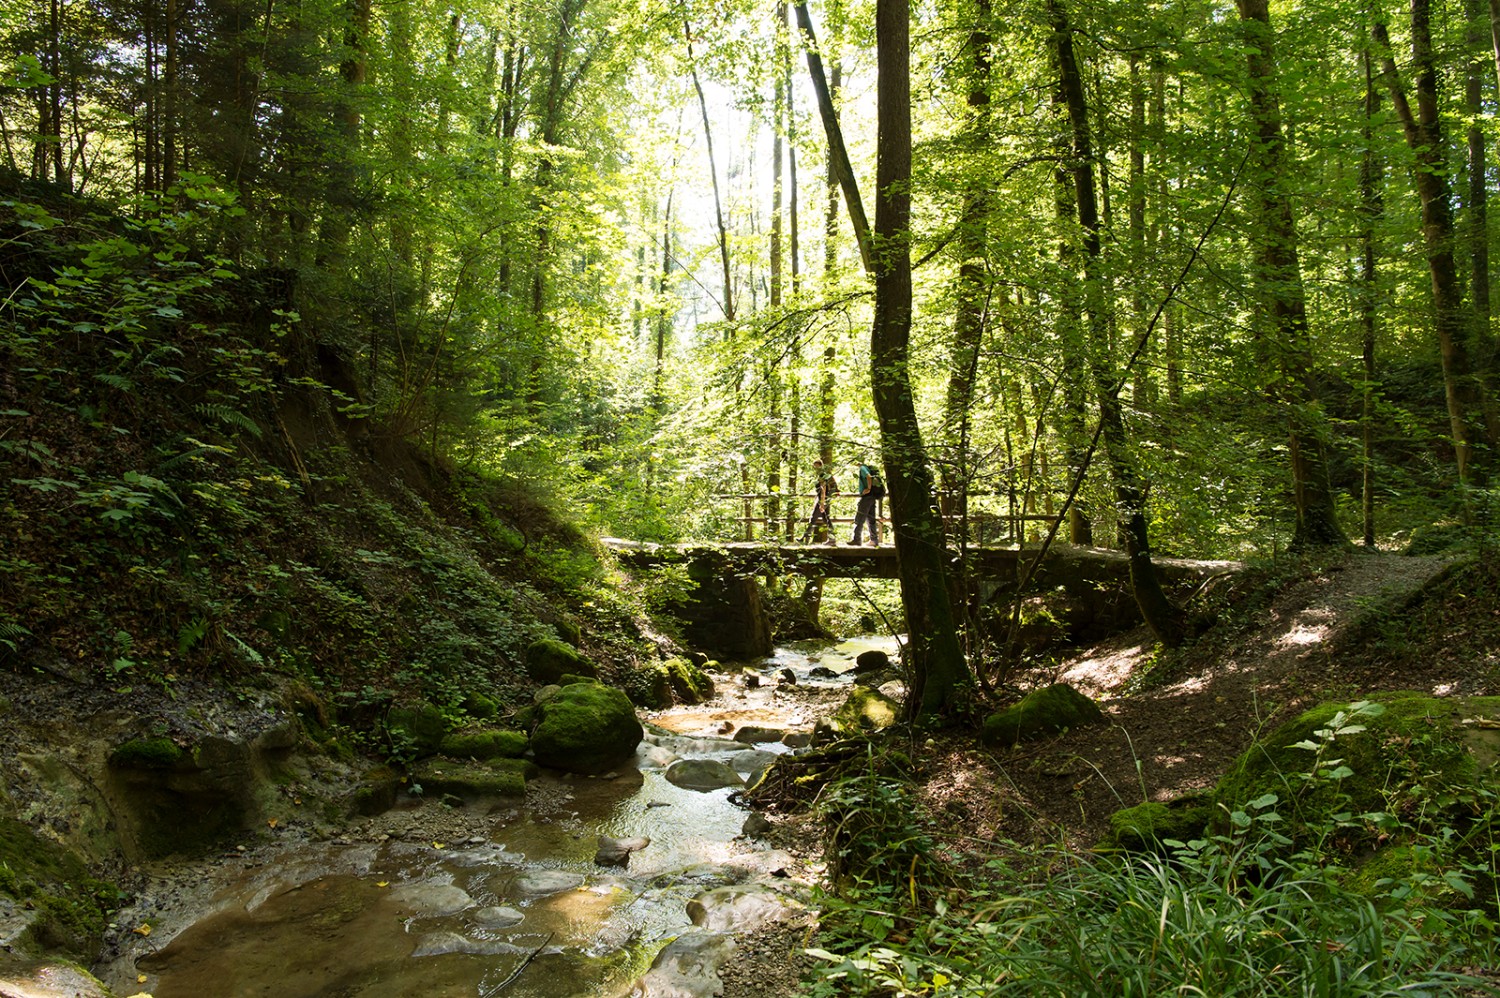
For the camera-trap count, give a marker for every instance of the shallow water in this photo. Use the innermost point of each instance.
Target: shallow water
(408, 918)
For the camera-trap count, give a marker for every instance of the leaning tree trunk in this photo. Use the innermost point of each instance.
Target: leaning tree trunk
(935, 658)
(1424, 135)
(1279, 276)
(1165, 619)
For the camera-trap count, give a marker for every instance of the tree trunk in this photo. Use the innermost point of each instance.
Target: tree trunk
(1370, 211)
(1279, 277)
(838, 153)
(1423, 130)
(935, 659)
(972, 286)
(713, 170)
(1165, 620)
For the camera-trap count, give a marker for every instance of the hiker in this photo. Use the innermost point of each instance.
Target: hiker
(826, 489)
(871, 491)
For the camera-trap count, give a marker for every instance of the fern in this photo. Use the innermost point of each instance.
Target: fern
(116, 381)
(228, 415)
(11, 634)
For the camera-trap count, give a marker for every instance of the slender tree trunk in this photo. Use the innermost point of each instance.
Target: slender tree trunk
(1370, 211)
(935, 658)
(169, 100)
(1423, 129)
(1279, 278)
(708, 138)
(972, 287)
(838, 153)
(1166, 621)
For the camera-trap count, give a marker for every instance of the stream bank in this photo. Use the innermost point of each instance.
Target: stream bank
(626, 883)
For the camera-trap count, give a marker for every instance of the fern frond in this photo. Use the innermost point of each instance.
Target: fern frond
(228, 415)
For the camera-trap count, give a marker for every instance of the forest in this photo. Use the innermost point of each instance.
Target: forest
(337, 333)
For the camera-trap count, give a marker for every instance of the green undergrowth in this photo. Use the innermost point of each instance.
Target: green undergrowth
(1271, 901)
(196, 488)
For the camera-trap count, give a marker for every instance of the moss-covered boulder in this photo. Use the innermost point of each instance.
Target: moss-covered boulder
(549, 660)
(586, 728)
(864, 710)
(420, 727)
(690, 684)
(484, 743)
(376, 792)
(493, 778)
(1405, 754)
(648, 687)
(1146, 826)
(1042, 712)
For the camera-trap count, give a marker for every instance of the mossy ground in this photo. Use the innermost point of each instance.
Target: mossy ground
(72, 906)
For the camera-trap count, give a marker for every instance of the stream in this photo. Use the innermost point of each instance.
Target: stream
(518, 905)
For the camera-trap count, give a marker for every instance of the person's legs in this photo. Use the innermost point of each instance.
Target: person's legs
(866, 511)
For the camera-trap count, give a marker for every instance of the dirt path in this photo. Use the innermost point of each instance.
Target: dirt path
(1180, 737)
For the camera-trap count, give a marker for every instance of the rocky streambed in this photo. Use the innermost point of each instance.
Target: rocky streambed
(651, 880)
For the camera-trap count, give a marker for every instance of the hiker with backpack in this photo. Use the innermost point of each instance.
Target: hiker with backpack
(822, 510)
(871, 491)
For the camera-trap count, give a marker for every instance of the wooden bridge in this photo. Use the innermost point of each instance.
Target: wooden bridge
(992, 564)
(723, 611)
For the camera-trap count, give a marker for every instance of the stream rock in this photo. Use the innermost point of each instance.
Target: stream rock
(496, 917)
(50, 980)
(703, 774)
(755, 734)
(587, 729)
(443, 943)
(616, 852)
(539, 883)
(435, 900)
(738, 909)
(687, 967)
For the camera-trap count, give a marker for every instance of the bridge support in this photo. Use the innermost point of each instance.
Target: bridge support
(723, 612)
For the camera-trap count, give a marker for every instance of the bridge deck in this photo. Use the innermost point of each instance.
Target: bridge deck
(841, 560)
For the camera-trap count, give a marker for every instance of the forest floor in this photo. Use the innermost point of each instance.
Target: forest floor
(1363, 623)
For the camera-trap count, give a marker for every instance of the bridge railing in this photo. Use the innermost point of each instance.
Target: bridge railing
(985, 526)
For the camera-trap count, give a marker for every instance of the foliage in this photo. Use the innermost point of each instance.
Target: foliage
(1243, 912)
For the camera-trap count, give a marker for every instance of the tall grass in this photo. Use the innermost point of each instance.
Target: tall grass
(1242, 914)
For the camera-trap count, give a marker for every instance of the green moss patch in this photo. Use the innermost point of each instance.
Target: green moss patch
(1146, 826)
(549, 659)
(1042, 712)
(689, 683)
(1407, 754)
(484, 743)
(422, 725)
(586, 729)
(71, 906)
(147, 753)
(472, 779)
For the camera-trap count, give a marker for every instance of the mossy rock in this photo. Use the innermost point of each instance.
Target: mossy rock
(423, 725)
(549, 659)
(1146, 826)
(690, 684)
(569, 632)
(586, 729)
(864, 710)
(1042, 712)
(479, 706)
(147, 753)
(1405, 753)
(69, 907)
(649, 687)
(570, 679)
(484, 743)
(496, 778)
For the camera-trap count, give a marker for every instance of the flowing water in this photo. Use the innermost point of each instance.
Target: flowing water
(518, 906)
